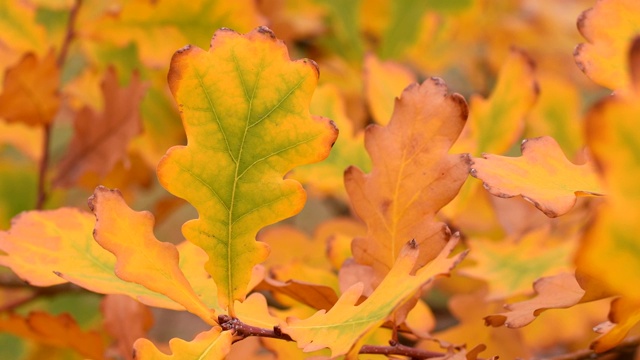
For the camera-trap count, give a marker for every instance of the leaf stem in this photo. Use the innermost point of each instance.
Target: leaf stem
(46, 141)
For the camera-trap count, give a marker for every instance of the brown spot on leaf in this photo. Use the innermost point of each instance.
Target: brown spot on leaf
(266, 31)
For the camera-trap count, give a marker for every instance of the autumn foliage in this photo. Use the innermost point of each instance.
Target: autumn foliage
(319, 179)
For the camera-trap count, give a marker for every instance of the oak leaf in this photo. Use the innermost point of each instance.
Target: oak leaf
(345, 323)
(511, 265)
(101, 139)
(608, 28)
(30, 93)
(242, 91)
(40, 243)
(141, 258)
(413, 176)
(54, 330)
(212, 344)
(610, 250)
(542, 175)
(553, 292)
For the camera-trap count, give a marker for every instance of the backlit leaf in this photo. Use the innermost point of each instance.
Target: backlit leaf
(30, 93)
(58, 331)
(141, 258)
(542, 175)
(242, 91)
(345, 323)
(413, 176)
(101, 139)
(608, 28)
(40, 243)
(213, 344)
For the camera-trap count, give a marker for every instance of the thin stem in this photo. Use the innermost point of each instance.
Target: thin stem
(46, 141)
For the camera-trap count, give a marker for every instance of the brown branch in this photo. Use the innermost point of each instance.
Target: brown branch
(243, 331)
(37, 293)
(46, 141)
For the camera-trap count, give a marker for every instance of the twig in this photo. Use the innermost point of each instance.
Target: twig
(37, 293)
(242, 331)
(62, 56)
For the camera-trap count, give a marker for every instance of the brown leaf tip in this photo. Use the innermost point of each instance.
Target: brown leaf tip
(413, 244)
(266, 31)
(183, 49)
(58, 273)
(314, 65)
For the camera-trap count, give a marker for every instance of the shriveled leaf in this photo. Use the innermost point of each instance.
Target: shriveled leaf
(383, 83)
(52, 247)
(554, 292)
(326, 178)
(317, 296)
(126, 320)
(608, 28)
(510, 266)
(611, 251)
(624, 315)
(30, 92)
(54, 330)
(157, 28)
(342, 326)
(212, 344)
(242, 91)
(542, 175)
(413, 176)
(141, 258)
(101, 139)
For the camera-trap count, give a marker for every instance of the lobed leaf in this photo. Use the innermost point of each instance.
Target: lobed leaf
(244, 106)
(542, 176)
(140, 257)
(413, 176)
(610, 251)
(608, 28)
(623, 316)
(212, 344)
(101, 140)
(340, 328)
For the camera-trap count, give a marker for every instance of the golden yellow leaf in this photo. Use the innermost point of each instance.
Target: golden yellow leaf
(212, 344)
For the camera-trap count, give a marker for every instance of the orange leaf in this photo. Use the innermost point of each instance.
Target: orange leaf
(141, 258)
(126, 320)
(413, 176)
(610, 250)
(30, 94)
(609, 28)
(542, 175)
(345, 323)
(554, 292)
(213, 344)
(59, 331)
(101, 140)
